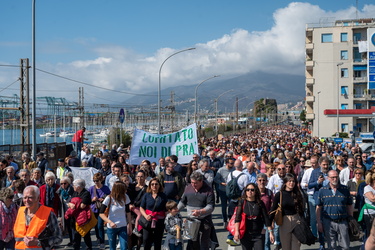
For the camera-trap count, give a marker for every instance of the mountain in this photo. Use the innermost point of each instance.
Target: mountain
(282, 87)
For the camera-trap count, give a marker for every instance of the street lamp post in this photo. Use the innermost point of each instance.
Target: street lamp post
(338, 97)
(33, 122)
(318, 112)
(159, 86)
(196, 96)
(216, 100)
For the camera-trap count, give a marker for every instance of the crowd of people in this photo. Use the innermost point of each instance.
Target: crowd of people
(275, 168)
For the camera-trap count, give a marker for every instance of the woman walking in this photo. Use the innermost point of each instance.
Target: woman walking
(118, 225)
(292, 209)
(153, 209)
(256, 217)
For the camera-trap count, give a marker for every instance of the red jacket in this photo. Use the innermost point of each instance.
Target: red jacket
(56, 199)
(82, 216)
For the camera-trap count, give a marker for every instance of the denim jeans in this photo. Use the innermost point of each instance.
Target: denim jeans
(267, 241)
(313, 221)
(112, 234)
(78, 148)
(99, 229)
(174, 247)
(224, 204)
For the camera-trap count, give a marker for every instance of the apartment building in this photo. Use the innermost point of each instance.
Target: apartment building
(340, 76)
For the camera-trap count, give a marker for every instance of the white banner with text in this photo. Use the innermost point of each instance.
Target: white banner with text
(147, 146)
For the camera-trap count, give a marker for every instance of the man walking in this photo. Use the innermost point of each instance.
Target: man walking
(334, 206)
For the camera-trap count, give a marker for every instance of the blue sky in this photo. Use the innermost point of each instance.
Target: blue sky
(121, 44)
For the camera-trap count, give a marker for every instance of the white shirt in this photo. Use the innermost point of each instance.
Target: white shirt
(242, 181)
(305, 180)
(117, 213)
(275, 183)
(344, 176)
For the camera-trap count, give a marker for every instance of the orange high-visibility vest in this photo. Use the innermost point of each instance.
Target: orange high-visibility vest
(37, 224)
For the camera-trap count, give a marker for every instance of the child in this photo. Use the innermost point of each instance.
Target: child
(173, 225)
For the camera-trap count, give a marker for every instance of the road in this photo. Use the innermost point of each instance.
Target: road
(221, 234)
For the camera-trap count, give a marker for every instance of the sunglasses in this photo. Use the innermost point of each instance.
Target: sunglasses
(10, 197)
(261, 180)
(250, 189)
(64, 183)
(281, 169)
(96, 181)
(154, 184)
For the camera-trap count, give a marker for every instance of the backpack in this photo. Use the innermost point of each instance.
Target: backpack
(232, 189)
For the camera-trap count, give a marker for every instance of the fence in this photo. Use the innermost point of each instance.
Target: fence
(52, 151)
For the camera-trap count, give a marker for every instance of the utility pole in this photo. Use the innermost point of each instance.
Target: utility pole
(236, 124)
(25, 102)
(81, 106)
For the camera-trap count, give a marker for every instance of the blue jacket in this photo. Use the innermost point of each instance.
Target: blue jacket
(313, 182)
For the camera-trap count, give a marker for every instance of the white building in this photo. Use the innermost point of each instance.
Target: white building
(340, 74)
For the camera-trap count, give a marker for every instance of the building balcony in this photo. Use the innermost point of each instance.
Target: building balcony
(360, 79)
(310, 116)
(309, 46)
(310, 82)
(309, 64)
(310, 98)
(363, 97)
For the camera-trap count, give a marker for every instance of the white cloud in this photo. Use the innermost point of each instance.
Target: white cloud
(278, 50)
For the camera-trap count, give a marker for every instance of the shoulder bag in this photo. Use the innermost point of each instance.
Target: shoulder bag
(98, 203)
(278, 212)
(106, 211)
(143, 222)
(231, 224)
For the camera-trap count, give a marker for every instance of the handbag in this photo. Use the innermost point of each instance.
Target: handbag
(278, 212)
(143, 222)
(83, 230)
(191, 228)
(106, 211)
(231, 224)
(98, 203)
(303, 232)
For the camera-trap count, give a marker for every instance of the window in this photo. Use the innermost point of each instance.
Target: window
(357, 74)
(344, 106)
(344, 128)
(344, 90)
(357, 106)
(344, 73)
(327, 38)
(344, 55)
(344, 37)
(357, 57)
(356, 37)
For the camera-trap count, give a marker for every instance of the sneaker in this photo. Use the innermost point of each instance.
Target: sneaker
(118, 246)
(278, 247)
(137, 233)
(232, 243)
(102, 246)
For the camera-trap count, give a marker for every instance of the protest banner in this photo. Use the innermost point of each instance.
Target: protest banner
(86, 174)
(151, 147)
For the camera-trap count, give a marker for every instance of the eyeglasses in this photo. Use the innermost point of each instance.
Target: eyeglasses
(281, 169)
(250, 189)
(261, 180)
(64, 183)
(96, 181)
(154, 184)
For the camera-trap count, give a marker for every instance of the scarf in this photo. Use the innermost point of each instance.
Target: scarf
(50, 195)
(64, 194)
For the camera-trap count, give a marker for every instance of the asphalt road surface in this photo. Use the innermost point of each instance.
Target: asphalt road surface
(221, 234)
